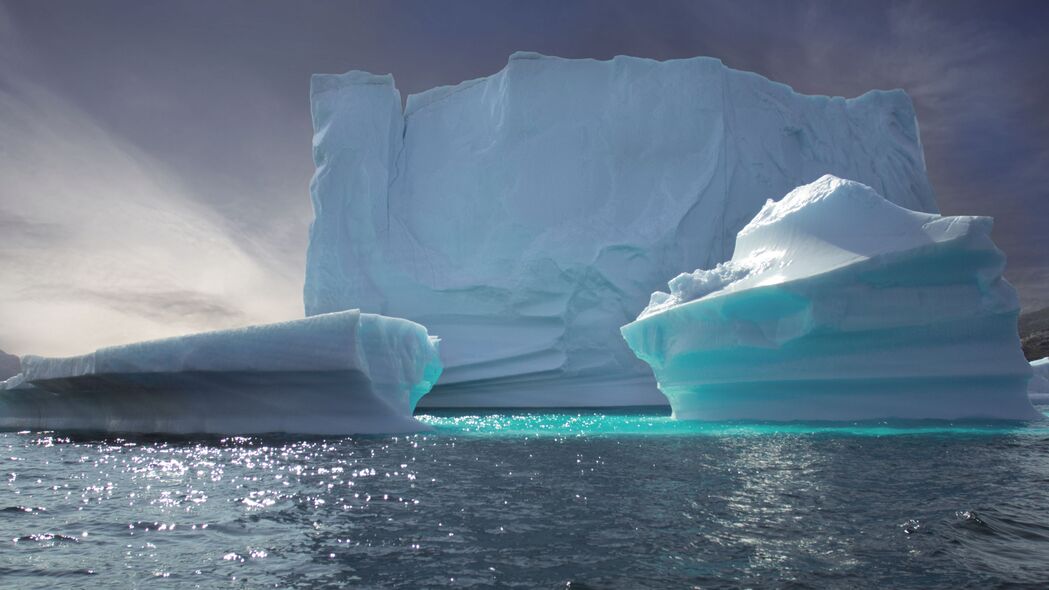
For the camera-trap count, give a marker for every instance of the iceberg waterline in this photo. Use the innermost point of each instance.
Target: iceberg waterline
(527, 215)
(338, 373)
(899, 314)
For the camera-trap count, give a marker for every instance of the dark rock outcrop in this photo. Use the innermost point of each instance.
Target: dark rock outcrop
(1034, 334)
(9, 365)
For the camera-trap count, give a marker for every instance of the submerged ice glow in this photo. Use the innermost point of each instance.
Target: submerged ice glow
(840, 305)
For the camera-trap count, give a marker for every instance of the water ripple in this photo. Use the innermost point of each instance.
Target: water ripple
(519, 499)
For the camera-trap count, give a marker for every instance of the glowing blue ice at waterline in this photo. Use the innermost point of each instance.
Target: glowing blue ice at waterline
(338, 373)
(526, 215)
(1038, 386)
(840, 305)
(576, 424)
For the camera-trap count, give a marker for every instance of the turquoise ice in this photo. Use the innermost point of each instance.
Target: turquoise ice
(840, 305)
(337, 373)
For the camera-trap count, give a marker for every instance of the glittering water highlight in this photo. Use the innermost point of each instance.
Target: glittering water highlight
(658, 422)
(534, 499)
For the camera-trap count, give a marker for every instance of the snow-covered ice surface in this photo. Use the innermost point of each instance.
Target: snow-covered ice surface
(338, 373)
(1038, 386)
(840, 305)
(525, 216)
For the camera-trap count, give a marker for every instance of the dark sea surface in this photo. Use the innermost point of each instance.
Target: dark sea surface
(534, 500)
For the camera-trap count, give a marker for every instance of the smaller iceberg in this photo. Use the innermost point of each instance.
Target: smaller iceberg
(839, 305)
(338, 373)
(1038, 386)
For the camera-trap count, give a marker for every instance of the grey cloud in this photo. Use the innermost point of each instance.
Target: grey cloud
(27, 232)
(162, 306)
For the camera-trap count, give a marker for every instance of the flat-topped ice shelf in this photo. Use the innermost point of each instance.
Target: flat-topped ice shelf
(336, 373)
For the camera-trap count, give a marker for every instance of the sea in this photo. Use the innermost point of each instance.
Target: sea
(534, 499)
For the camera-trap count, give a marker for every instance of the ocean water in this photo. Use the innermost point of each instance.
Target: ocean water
(534, 500)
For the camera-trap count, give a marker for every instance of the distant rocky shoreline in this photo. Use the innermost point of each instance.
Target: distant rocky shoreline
(1034, 334)
(9, 365)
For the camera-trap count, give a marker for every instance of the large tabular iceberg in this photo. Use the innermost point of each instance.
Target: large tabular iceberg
(527, 215)
(839, 305)
(338, 373)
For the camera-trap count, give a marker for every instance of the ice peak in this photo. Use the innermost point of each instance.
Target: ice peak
(822, 198)
(817, 227)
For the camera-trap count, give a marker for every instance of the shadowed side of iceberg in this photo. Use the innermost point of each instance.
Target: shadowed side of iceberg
(339, 373)
(839, 305)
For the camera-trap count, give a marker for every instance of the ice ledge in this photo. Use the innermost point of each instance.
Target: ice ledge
(337, 373)
(320, 83)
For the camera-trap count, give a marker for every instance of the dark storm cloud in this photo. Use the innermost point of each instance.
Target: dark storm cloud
(37, 234)
(218, 90)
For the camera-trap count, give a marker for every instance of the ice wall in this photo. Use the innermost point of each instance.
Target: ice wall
(338, 373)
(840, 305)
(525, 216)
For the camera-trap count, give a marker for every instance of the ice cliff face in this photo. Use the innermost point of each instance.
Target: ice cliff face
(338, 373)
(840, 305)
(527, 215)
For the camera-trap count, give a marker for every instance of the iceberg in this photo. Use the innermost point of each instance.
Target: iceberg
(331, 374)
(526, 215)
(838, 304)
(1038, 386)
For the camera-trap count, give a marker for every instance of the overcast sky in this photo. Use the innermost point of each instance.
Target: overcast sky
(155, 156)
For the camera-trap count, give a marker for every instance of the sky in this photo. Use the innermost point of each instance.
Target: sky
(155, 156)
